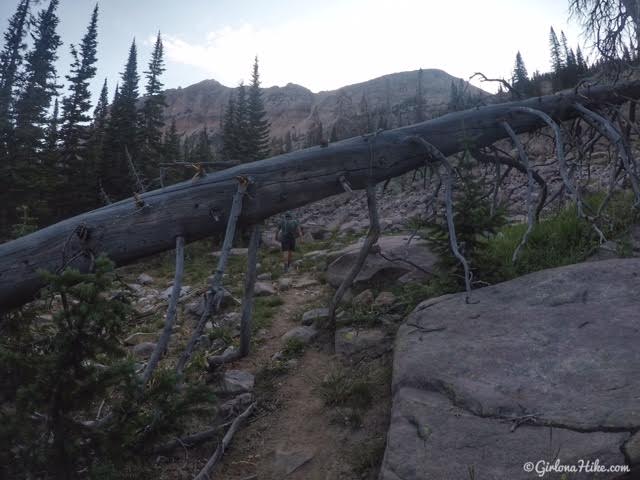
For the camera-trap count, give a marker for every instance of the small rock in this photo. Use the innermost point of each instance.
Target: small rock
(364, 343)
(144, 279)
(140, 337)
(303, 334)
(363, 299)
(236, 405)
(314, 316)
(263, 289)
(285, 462)
(385, 299)
(144, 349)
(305, 282)
(208, 326)
(137, 288)
(284, 283)
(264, 276)
(237, 381)
(166, 295)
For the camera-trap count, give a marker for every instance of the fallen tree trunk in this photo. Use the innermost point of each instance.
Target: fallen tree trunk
(149, 223)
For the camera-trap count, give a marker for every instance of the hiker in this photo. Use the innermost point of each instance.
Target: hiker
(287, 232)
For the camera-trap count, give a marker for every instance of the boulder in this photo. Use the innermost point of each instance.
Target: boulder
(284, 283)
(166, 295)
(363, 299)
(144, 279)
(266, 276)
(401, 258)
(263, 289)
(236, 382)
(144, 349)
(315, 316)
(384, 300)
(484, 382)
(303, 334)
(357, 344)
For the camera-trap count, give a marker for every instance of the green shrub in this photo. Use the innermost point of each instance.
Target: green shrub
(56, 371)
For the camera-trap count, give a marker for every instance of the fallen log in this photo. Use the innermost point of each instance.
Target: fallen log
(149, 223)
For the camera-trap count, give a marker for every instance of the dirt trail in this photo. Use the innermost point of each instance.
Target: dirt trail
(292, 425)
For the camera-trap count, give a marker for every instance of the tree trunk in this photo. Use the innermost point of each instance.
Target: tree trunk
(137, 227)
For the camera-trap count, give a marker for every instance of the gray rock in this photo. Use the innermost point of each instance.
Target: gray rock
(137, 288)
(264, 276)
(356, 345)
(236, 381)
(144, 279)
(263, 289)
(284, 283)
(303, 334)
(285, 462)
(144, 349)
(555, 348)
(314, 316)
(384, 299)
(141, 337)
(236, 405)
(305, 282)
(363, 298)
(378, 268)
(166, 295)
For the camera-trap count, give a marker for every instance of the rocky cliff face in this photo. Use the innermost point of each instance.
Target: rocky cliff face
(301, 118)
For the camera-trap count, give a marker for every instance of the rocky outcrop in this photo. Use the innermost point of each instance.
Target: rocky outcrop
(539, 366)
(392, 257)
(300, 118)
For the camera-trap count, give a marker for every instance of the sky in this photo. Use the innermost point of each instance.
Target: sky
(322, 45)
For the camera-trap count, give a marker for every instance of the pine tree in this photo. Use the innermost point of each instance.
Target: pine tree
(172, 143)
(580, 62)
(520, 77)
(122, 134)
(11, 59)
(40, 84)
(153, 113)
(241, 124)
(202, 152)
(557, 63)
(75, 131)
(257, 137)
(97, 134)
(51, 144)
(229, 131)
(32, 110)
(77, 105)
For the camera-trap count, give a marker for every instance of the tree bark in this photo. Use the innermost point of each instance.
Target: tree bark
(137, 227)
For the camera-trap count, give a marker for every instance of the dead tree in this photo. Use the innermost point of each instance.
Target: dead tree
(149, 223)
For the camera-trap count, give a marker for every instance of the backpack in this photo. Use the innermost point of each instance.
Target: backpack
(288, 228)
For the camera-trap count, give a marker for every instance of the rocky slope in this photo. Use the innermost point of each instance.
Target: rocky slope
(301, 118)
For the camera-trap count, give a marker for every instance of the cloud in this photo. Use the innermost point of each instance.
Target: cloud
(362, 39)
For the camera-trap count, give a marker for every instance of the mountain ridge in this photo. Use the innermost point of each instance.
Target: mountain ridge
(300, 117)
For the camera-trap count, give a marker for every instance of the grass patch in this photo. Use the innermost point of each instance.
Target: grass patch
(367, 457)
(264, 309)
(293, 348)
(347, 388)
(560, 239)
